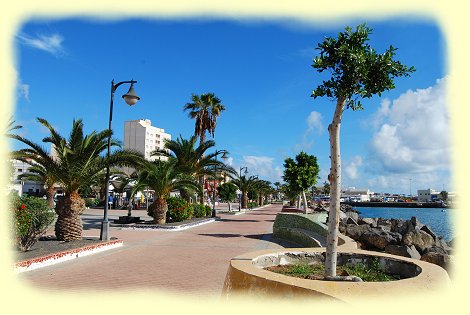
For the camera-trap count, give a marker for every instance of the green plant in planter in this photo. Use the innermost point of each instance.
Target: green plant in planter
(31, 216)
(179, 209)
(200, 210)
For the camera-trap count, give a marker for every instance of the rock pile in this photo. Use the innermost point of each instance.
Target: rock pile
(408, 238)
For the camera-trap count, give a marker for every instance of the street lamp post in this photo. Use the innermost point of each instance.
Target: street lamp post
(240, 179)
(130, 98)
(224, 157)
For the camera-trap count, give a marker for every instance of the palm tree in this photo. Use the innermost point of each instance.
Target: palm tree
(163, 177)
(245, 184)
(263, 188)
(123, 181)
(204, 109)
(77, 161)
(193, 160)
(11, 126)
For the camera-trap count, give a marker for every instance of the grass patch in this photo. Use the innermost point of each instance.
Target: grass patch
(368, 273)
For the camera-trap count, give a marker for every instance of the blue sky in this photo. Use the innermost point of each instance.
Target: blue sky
(261, 70)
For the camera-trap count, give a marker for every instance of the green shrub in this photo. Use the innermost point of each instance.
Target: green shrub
(32, 216)
(178, 209)
(91, 202)
(208, 210)
(252, 204)
(199, 210)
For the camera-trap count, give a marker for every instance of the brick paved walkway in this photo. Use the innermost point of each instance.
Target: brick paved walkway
(192, 261)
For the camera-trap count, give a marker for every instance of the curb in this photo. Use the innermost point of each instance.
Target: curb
(150, 227)
(52, 259)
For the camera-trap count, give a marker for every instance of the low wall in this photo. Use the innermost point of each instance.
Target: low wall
(306, 230)
(247, 276)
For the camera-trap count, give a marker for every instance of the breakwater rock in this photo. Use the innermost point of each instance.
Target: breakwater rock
(408, 238)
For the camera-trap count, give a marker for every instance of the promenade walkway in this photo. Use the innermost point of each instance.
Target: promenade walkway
(192, 261)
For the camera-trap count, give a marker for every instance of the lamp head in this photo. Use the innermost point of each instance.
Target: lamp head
(130, 97)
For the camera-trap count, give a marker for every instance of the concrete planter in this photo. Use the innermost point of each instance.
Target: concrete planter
(246, 275)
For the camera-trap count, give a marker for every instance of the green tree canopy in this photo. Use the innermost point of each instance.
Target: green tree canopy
(227, 191)
(357, 70)
(301, 173)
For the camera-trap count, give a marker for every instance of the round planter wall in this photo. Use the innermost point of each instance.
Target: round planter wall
(246, 275)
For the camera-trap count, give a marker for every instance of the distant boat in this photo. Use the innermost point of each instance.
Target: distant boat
(443, 210)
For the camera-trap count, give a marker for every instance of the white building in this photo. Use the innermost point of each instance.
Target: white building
(24, 186)
(141, 136)
(356, 195)
(427, 195)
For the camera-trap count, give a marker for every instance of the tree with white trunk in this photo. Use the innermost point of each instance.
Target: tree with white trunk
(357, 71)
(301, 174)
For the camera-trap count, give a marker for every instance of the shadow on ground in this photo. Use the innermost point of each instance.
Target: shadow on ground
(220, 235)
(235, 220)
(267, 237)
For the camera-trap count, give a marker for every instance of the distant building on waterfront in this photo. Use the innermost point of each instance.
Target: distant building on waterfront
(428, 195)
(356, 195)
(141, 136)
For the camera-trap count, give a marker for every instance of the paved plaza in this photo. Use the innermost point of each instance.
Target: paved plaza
(192, 261)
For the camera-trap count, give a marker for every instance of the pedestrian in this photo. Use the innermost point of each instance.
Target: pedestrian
(110, 201)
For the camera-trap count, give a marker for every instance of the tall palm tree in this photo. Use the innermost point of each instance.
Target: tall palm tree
(205, 109)
(193, 160)
(162, 177)
(78, 159)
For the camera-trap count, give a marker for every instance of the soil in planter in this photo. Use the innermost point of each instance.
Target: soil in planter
(372, 273)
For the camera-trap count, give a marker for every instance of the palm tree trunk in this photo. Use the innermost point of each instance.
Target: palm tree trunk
(201, 195)
(335, 191)
(159, 208)
(50, 196)
(68, 226)
(244, 199)
(185, 195)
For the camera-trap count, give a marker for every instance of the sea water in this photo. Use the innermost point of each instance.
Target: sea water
(438, 219)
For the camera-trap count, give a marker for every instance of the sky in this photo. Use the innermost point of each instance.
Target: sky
(261, 70)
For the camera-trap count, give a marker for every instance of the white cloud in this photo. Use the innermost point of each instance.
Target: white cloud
(314, 125)
(23, 90)
(410, 141)
(412, 132)
(351, 167)
(49, 43)
(314, 122)
(229, 161)
(264, 167)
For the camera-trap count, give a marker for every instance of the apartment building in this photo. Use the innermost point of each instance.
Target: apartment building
(24, 186)
(140, 135)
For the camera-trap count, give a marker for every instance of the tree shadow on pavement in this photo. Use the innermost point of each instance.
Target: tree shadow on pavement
(235, 220)
(220, 235)
(90, 224)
